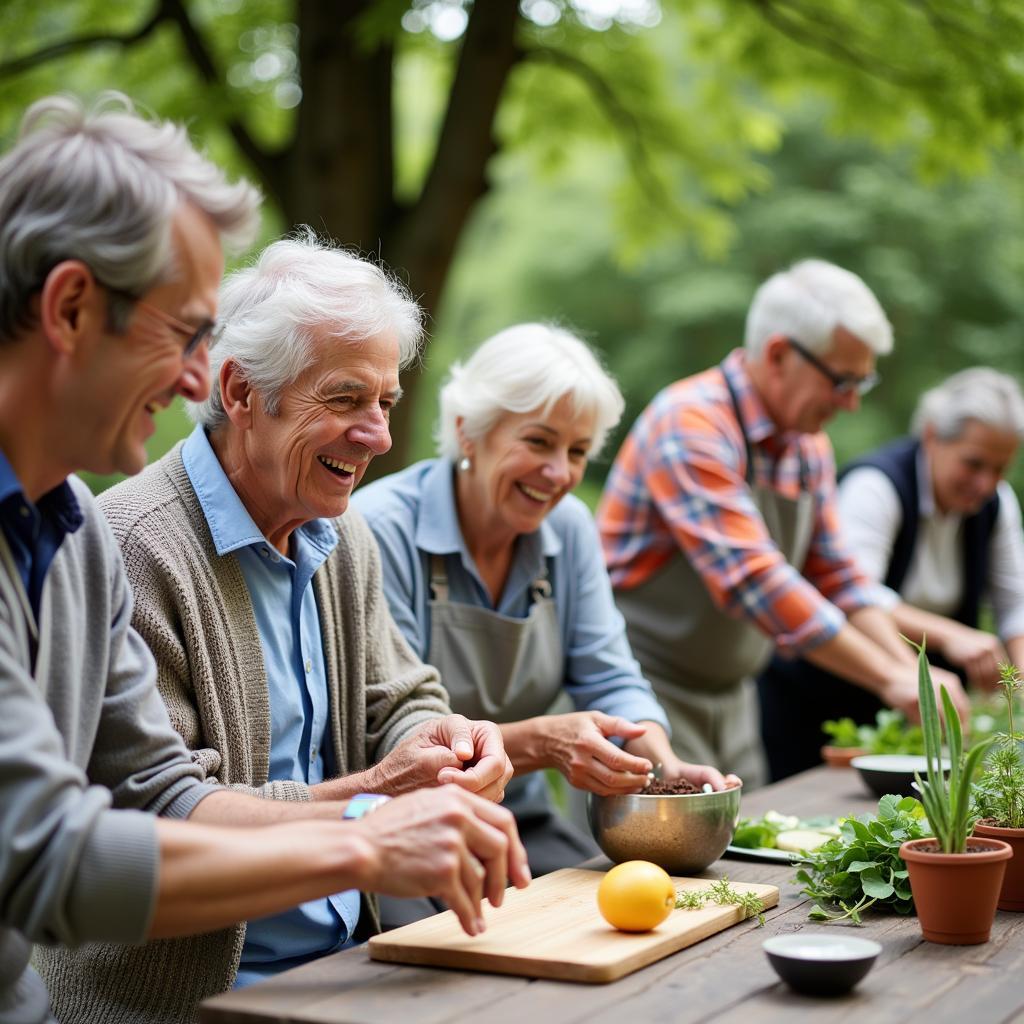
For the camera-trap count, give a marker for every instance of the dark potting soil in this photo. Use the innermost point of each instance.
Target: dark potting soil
(659, 787)
(934, 848)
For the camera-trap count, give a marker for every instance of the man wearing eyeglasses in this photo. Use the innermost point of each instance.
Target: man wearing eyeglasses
(720, 529)
(111, 229)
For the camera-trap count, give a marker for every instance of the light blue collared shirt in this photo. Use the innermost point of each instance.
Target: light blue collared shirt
(300, 746)
(413, 516)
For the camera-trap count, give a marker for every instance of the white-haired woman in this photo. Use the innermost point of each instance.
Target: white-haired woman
(930, 517)
(494, 573)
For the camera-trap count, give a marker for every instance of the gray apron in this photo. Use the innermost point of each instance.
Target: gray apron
(700, 660)
(504, 669)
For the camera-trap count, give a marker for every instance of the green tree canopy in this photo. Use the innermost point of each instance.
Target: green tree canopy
(379, 121)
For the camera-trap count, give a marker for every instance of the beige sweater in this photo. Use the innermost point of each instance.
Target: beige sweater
(193, 609)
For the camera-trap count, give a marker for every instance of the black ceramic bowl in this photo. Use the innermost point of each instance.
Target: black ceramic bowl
(892, 773)
(821, 965)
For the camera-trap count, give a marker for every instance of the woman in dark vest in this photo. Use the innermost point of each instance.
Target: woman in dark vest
(931, 517)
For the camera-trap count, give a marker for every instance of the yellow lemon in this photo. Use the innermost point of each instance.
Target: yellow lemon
(636, 896)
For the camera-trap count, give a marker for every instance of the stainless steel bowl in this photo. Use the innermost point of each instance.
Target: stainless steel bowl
(682, 834)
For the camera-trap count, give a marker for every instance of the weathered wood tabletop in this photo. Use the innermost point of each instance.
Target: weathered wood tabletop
(725, 978)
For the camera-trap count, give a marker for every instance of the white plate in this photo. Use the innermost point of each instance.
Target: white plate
(760, 853)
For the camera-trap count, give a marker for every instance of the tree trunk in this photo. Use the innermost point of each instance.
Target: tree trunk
(340, 176)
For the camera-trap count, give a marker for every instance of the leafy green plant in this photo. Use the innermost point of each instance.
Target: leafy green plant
(891, 734)
(947, 802)
(722, 894)
(999, 792)
(862, 867)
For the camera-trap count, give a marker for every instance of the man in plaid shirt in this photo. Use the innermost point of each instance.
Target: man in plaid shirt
(720, 528)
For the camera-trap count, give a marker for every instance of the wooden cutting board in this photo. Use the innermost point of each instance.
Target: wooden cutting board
(552, 929)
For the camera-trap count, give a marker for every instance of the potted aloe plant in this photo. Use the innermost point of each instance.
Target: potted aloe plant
(999, 796)
(955, 877)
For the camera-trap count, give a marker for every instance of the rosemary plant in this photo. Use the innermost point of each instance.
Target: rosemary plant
(999, 794)
(946, 803)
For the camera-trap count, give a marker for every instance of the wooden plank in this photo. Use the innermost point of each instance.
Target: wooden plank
(553, 930)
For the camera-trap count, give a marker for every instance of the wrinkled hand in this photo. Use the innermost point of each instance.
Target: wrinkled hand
(484, 768)
(901, 692)
(697, 774)
(577, 745)
(445, 843)
(978, 653)
(439, 751)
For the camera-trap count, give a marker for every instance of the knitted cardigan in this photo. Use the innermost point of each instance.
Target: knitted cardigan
(193, 609)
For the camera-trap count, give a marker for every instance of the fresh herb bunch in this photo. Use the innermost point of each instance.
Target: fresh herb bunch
(999, 793)
(947, 803)
(723, 894)
(863, 867)
(891, 734)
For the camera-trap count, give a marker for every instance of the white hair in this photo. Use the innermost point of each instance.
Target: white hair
(298, 290)
(526, 367)
(102, 186)
(979, 393)
(809, 301)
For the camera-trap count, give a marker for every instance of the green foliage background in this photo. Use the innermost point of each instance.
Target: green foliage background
(731, 147)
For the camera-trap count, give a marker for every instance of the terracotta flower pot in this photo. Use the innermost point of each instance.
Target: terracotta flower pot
(840, 757)
(1011, 896)
(955, 893)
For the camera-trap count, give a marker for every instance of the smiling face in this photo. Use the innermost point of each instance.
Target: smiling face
(966, 470)
(303, 462)
(799, 395)
(124, 379)
(523, 468)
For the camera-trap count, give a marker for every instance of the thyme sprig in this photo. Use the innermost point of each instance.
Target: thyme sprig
(722, 894)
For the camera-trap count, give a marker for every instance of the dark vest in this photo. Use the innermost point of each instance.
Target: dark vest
(795, 696)
(898, 461)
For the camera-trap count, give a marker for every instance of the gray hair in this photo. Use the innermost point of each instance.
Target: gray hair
(526, 367)
(979, 393)
(809, 301)
(102, 186)
(300, 287)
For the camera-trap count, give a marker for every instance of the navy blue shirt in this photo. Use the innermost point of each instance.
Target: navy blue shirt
(35, 532)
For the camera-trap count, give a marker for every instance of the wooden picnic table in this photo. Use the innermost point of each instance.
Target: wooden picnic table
(725, 978)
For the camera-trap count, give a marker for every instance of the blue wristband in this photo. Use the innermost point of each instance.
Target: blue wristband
(363, 803)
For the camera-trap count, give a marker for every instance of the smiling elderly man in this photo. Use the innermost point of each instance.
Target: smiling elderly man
(261, 599)
(111, 229)
(720, 529)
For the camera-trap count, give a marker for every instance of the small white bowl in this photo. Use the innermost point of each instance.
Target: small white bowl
(821, 965)
(892, 773)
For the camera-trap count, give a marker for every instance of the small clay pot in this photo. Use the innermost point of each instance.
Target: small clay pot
(956, 893)
(1011, 896)
(840, 757)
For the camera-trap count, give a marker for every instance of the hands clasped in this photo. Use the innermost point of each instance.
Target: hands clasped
(452, 749)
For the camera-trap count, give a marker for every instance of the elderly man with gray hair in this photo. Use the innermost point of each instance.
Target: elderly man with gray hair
(111, 231)
(720, 527)
(932, 519)
(259, 593)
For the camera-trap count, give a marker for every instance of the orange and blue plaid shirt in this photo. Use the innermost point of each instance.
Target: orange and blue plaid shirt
(680, 482)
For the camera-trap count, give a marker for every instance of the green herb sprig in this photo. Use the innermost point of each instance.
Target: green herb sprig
(862, 867)
(722, 894)
(999, 793)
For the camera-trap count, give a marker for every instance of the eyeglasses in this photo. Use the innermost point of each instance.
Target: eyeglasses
(208, 331)
(842, 383)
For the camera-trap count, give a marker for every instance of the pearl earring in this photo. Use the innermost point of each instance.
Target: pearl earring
(464, 464)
